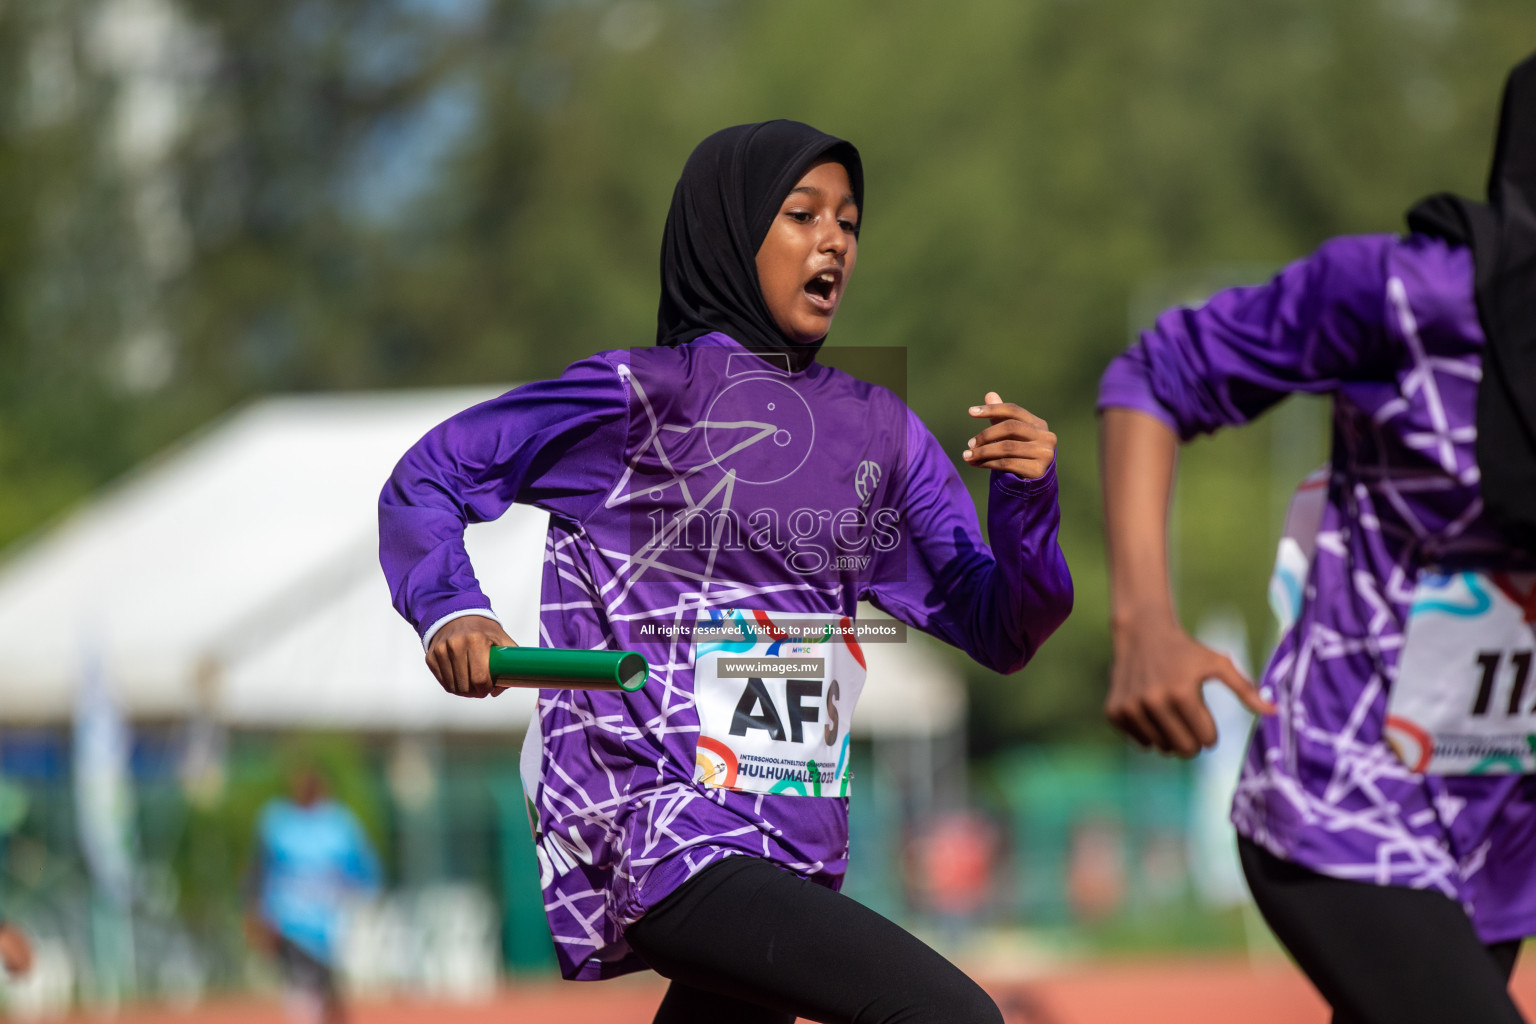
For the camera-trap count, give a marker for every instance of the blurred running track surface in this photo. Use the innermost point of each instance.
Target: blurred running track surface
(1182, 991)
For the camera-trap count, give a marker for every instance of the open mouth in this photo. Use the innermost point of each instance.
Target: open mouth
(823, 287)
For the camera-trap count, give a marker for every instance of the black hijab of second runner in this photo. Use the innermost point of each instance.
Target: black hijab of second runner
(731, 189)
(1502, 236)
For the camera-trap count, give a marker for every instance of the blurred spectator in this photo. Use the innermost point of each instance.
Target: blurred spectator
(953, 860)
(1096, 869)
(312, 858)
(15, 950)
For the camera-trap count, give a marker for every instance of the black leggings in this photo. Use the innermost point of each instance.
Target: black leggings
(1382, 954)
(747, 943)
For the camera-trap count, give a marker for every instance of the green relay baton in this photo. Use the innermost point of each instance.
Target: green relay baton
(556, 668)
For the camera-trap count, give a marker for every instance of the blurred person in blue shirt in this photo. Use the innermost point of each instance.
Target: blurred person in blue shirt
(312, 858)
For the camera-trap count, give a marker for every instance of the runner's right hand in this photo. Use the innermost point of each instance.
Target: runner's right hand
(460, 655)
(1156, 683)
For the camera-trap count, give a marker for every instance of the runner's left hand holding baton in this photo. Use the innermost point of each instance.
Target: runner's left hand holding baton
(460, 654)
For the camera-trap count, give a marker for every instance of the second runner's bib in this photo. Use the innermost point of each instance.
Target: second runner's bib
(1463, 700)
(775, 694)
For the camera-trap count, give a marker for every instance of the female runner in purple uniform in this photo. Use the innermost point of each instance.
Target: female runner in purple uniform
(720, 503)
(1386, 814)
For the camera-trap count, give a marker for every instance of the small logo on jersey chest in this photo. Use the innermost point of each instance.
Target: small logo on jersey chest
(865, 479)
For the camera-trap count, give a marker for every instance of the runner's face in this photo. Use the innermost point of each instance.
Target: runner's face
(808, 255)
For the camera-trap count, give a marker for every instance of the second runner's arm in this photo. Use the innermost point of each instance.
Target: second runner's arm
(1316, 326)
(1158, 670)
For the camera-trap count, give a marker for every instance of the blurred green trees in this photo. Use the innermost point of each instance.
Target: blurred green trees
(204, 201)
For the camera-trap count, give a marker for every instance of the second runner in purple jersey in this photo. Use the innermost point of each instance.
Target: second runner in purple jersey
(1386, 812)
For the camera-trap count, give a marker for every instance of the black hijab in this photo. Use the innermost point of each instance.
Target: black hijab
(1502, 236)
(725, 201)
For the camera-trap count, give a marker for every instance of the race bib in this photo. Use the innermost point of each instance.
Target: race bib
(775, 695)
(1463, 700)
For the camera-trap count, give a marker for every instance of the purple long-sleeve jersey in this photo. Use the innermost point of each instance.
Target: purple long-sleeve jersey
(682, 482)
(1388, 327)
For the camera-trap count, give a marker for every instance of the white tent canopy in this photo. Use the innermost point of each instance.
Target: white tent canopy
(237, 576)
